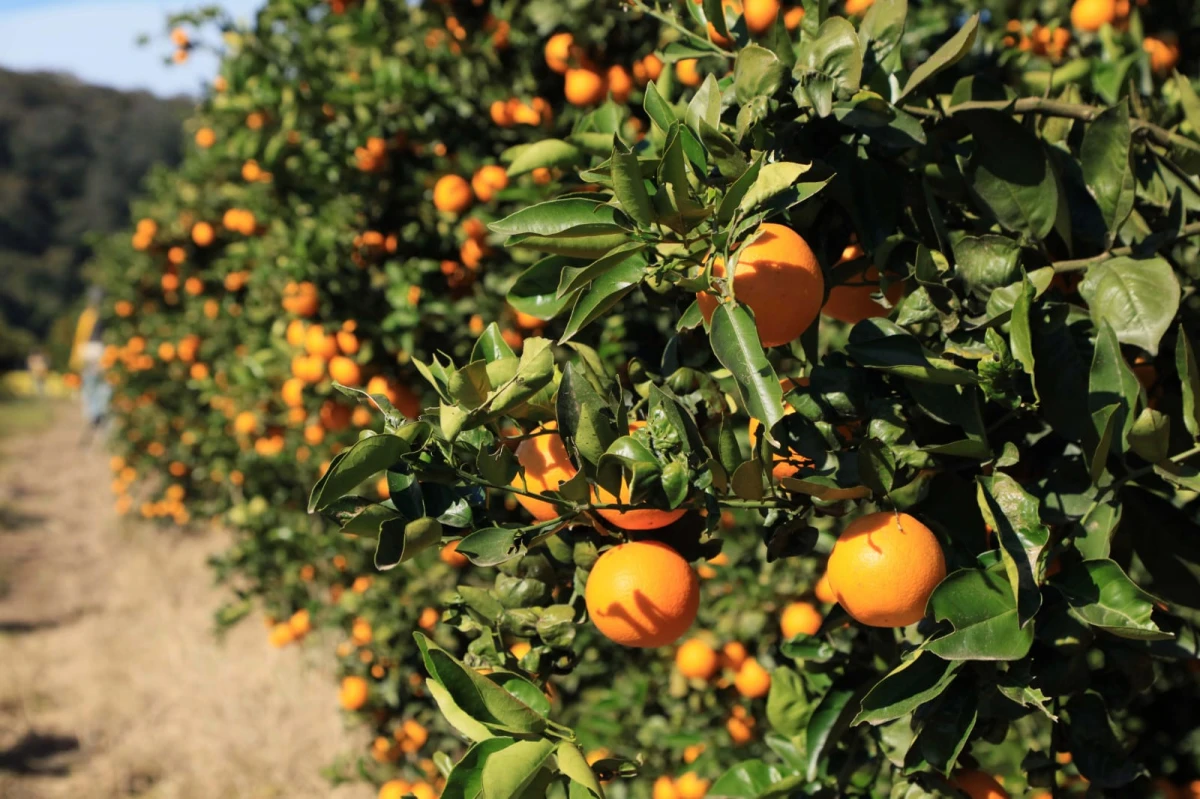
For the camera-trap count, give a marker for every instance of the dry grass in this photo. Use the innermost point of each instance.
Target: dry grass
(111, 684)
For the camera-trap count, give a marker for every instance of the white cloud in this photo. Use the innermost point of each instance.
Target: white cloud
(96, 40)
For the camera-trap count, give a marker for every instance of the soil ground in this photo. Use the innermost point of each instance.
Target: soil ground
(112, 683)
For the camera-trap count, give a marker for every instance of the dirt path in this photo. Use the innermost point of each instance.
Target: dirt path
(111, 684)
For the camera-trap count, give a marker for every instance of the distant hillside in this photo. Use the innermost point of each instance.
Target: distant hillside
(71, 159)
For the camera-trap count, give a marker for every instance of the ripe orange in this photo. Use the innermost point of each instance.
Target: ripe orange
(1092, 15)
(292, 392)
(353, 694)
(799, 618)
(653, 66)
(733, 655)
(452, 194)
(641, 519)
(696, 660)
(1163, 51)
(760, 15)
(347, 342)
(688, 72)
(823, 592)
(547, 465)
(500, 114)
(740, 730)
(281, 635)
(245, 422)
(690, 786)
(584, 87)
(783, 465)
(642, 594)
(978, 785)
(558, 51)
(664, 788)
(205, 138)
(345, 371)
(202, 234)
(752, 680)
(317, 343)
(793, 17)
(779, 278)
(883, 568)
(301, 623)
(450, 555)
(487, 181)
(394, 789)
(620, 84)
(856, 7)
(300, 298)
(428, 619)
(852, 302)
(308, 368)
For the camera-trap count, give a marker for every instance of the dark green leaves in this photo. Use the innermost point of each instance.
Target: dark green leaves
(884, 345)
(736, 345)
(1189, 374)
(1139, 298)
(366, 458)
(909, 685)
(981, 608)
(1102, 595)
(1104, 157)
(946, 56)
(756, 72)
(827, 65)
(571, 226)
(1010, 174)
(1013, 515)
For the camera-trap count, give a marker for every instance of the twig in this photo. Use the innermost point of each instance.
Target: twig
(671, 23)
(1057, 108)
(1078, 264)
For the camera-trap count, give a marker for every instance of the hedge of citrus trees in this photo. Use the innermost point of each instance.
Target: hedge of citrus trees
(905, 508)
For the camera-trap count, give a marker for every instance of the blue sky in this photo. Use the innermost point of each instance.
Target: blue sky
(96, 40)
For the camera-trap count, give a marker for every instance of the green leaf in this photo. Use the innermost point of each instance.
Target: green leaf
(480, 698)
(1138, 298)
(1150, 436)
(491, 546)
(603, 293)
(1101, 757)
(1189, 101)
(558, 216)
(401, 540)
(536, 293)
(366, 458)
(574, 278)
(1021, 332)
(880, 33)
(1014, 516)
(677, 208)
(884, 345)
(465, 780)
(458, 718)
(737, 191)
(987, 262)
(1011, 175)
(944, 57)
(911, 684)
(586, 422)
(469, 386)
(658, 109)
(573, 763)
(787, 702)
(507, 773)
(1098, 525)
(946, 726)
(705, 106)
(756, 72)
(629, 187)
(772, 180)
(545, 153)
(1102, 595)
(749, 780)
(1099, 443)
(983, 611)
(876, 467)
(491, 346)
(829, 720)
(735, 343)
(535, 371)
(1189, 374)
(829, 63)
(1104, 157)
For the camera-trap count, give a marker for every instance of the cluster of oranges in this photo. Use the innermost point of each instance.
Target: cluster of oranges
(1092, 15)
(452, 194)
(301, 298)
(294, 629)
(238, 220)
(373, 156)
(510, 112)
(696, 660)
(1043, 40)
(585, 84)
(183, 45)
(686, 786)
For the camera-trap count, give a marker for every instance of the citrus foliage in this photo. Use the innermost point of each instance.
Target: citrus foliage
(940, 534)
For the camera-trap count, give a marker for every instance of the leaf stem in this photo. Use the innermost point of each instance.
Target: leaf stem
(671, 23)
(1145, 470)
(1078, 264)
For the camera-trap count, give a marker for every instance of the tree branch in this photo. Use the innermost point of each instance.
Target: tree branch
(1078, 264)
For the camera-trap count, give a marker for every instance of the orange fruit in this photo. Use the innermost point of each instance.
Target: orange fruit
(296, 333)
(653, 66)
(978, 785)
(883, 568)
(739, 730)
(558, 51)
(688, 72)
(301, 623)
(584, 87)
(317, 343)
(500, 114)
(779, 278)
(205, 138)
(450, 555)
(799, 618)
(281, 635)
(696, 660)
(345, 371)
(428, 619)
(852, 302)
(487, 181)
(752, 680)
(1092, 15)
(783, 465)
(793, 17)
(760, 15)
(353, 694)
(1164, 53)
(347, 342)
(642, 594)
(202, 234)
(664, 788)
(292, 392)
(245, 423)
(620, 84)
(692, 753)
(733, 655)
(527, 321)
(641, 519)
(452, 194)
(856, 7)
(394, 789)
(300, 298)
(823, 592)
(547, 465)
(308, 368)
(690, 786)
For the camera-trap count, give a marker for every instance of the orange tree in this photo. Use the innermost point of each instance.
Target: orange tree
(979, 464)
